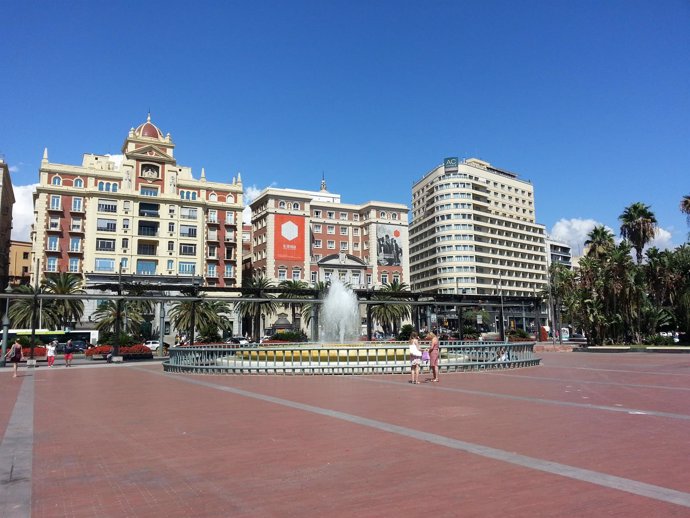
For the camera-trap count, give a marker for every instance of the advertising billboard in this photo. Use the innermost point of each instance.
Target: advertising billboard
(388, 245)
(289, 237)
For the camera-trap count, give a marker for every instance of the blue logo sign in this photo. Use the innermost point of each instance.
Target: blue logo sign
(450, 163)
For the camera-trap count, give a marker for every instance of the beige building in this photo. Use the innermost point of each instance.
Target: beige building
(140, 214)
(311, 236)
(473, 231)
(6, 207)
(20, 262)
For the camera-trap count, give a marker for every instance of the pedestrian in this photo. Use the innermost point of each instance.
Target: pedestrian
(15, 355)
(433, 355)
(69, 351)
(415, 357)
(50, 353)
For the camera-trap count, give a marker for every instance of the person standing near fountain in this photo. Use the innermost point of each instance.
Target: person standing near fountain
(415, 357)
(433, 355)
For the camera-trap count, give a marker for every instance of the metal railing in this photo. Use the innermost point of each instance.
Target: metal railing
(335, 359)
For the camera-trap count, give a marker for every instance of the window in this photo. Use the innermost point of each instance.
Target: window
(186, 268)
(313, 277)
(77, 204)
(281, 204)
(228, 270)
(355, 245)
(171, 246)
(73, 264)
(186, 249)
(317, 243)
(107, 186)
(344, 231)
(343, 246)
(187, 230)
(295, 206)
(188, 213)
(368, 279)
(317, 213)
(149, 191)
(213, 197)
(55, 202)
(396, 277)
(105, 245)
(171, 227)
(355, 232)
(106, 225)
(107, 206)
(330, 214)
(105, 265)
(343, 216)
(330, 229)
(355, 278)
(317, 228)
(355, 217)
(212, 251)
(146, 267)
(79, 183)
(53, 243)
(394, 215)
(52, 264)
(76, 225)
(212, 271)
(54, 223)
(125, 224)
(148, 210)
(384, 278)
(57, 180)
(213, 216)
(25, 255)
(171, 264)
(383, 214)
(282, 274)
(75, 244)
(331, 245)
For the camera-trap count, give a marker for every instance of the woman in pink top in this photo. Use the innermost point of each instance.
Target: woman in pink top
(433, 355)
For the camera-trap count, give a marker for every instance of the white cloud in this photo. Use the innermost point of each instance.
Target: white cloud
(14, 169)
(662, 240)
(250, 194)
(23, 213)
(574, 232)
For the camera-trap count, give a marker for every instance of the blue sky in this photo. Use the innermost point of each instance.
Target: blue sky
(589, 100)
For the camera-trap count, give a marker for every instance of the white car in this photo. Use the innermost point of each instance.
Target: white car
(154, 344)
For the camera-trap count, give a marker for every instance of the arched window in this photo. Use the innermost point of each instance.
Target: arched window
(295, 206)
(383, 214)
(281, 205)
(213, 196)
(79, 182)
(114, 187)
(193, 195)
(394, 215)
(230, 198)
(101, 186)
(57, 180)
(107, 187)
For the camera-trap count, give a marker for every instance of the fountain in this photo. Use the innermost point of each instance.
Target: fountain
(340, 314)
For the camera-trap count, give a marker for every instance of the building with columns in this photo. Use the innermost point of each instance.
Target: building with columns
(140, 215)
(311, 236)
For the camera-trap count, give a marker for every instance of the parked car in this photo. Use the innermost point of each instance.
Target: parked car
(155, 344)
(78, 346)
(238, 340)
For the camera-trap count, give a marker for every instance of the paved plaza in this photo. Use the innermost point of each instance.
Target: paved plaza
(581, 435)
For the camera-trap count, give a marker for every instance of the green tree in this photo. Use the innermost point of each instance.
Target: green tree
(210, 317)
(291, 287)
(66, 310)
(600, 241)
(638, 225)
(254, 309)
(390, 315)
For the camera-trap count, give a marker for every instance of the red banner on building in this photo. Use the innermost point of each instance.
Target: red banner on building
(289, 237)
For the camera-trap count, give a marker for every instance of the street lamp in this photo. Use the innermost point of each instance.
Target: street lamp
(195, 293)
(118, 310)
(502, 323)
(31, 360)
(5, 325)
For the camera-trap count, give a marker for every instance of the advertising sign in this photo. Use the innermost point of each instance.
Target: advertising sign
(450, 163)
(289, 237)
(388, 245)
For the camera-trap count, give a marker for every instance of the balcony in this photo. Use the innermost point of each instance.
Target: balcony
(188, 234)
(76, 229)
(76, 250)
(77, 208)
(55, 207)
(147, 213)
(148, 231)
(147, 249)
(213, 236)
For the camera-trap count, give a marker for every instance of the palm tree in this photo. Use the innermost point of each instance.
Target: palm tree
(106, 317)
(685, 206)
(390, 315)
(21, 310)
(208, 317)
(638, 225)
(290, 288)
(66, 310)
(600, 240)
(254, 309)
(309, 307)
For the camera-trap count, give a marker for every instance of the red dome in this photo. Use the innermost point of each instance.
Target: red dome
(148, 129)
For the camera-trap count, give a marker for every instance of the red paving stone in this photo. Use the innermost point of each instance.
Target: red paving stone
(133, 441)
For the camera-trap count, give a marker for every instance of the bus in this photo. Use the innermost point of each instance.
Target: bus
(44, 336)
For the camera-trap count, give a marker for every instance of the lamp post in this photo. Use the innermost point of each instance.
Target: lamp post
(5, 325)
(195, 293)
(118, 312)
(31, 361)
(502, 323)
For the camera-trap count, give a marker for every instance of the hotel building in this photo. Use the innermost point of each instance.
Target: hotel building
(473, 231)
(312, 236)
(140, 214)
